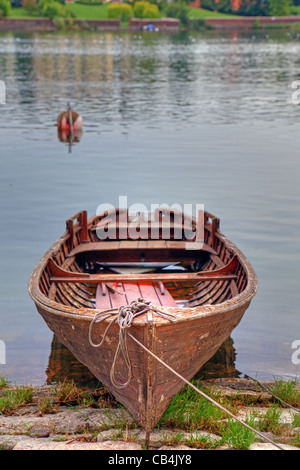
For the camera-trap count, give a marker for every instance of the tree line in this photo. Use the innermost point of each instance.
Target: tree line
(251, 7)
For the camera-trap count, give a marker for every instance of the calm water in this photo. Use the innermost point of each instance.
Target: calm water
(167, 119)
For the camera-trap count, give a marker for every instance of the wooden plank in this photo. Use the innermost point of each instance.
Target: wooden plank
(174, 244)
(157, 244)
(148, 293)
(143, 244)
(225, 273)
(117, 299)
(127, 244)
(102, 297)
(135, 244)
(164, 296)
(177, 277)
(132, 291)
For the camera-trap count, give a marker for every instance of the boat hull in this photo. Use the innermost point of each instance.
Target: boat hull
(185, 344)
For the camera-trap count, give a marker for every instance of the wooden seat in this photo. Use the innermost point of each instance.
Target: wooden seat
(113, 295)
(134, 245)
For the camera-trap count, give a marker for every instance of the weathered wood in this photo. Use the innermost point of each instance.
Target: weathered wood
(127, 292)
(98, 247)
(64, 294)
(223, 274)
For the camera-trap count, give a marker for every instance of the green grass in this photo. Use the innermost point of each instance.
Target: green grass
(286, 390)
(3, 381)
(84, 12)
(90, 12)
(237, 435)
(295, 10)
(19, 13)
(270, 422)
(202, 13)
(87, 12)
(14, 398)
(189, 410)
(99, 12)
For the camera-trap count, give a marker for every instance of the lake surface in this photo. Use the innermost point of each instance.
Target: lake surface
(181, 118)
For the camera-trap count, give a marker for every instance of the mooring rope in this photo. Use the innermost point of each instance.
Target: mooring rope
(125, 316)
(266, 389)
(204, 394)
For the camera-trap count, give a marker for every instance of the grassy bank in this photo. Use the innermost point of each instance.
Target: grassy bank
(89, 12)
(202, 13)
(190, 419)
(84, 12)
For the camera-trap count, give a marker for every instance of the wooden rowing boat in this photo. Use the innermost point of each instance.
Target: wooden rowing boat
(198, 282)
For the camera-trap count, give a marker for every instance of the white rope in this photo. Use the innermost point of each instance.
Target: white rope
(125, 316)
(204, 394)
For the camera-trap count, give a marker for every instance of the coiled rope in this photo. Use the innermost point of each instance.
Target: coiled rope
(125, 315)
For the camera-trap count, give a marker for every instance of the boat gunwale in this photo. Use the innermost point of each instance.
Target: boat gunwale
(184, 313)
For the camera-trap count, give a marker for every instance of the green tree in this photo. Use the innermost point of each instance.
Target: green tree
(5, 8)
(178, 10)
(280, 7)
(254, 7)
(53, 9)
(221, 5)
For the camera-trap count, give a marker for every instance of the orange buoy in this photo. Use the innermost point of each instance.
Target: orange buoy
(69, 121)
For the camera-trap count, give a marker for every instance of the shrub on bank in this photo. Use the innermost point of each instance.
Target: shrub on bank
(53, 9)
(49, 8)
(178, 10)
(5, 8)
(143, 9)
(197, 24)
(119, 10)
(151, 11)
(279, 7)
(31, 7)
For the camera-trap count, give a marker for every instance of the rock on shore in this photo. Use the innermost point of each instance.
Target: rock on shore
(79, 428)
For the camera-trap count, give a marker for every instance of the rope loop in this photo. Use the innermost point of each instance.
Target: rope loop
(124, 315)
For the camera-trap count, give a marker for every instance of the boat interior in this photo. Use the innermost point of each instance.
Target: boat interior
(175, 262)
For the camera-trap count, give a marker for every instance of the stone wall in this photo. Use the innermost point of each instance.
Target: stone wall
(24, 24)
(136, 24)
(248, 22)
(164, 24)
(45, 24)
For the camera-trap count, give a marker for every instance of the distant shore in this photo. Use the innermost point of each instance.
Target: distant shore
(163, 24)
(46, 24)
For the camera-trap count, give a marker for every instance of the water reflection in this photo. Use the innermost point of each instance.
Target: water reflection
(126, 77)
(185, 118)
(63, 365)
(70, 138)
